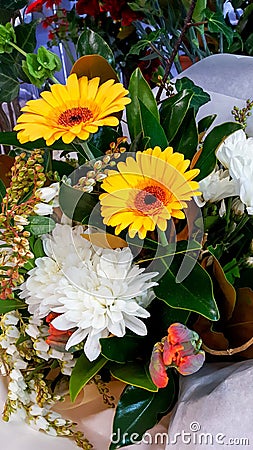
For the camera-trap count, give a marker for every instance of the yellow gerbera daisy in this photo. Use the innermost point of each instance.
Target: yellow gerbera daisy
(70, 111)
(147, 191)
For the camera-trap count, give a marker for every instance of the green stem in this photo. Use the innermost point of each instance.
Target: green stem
(68, 52)
(87, 150)
(55, 80)
(17, 48)
(163, 238)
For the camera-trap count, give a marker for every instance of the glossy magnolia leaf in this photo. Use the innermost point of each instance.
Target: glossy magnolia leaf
(83, 371)
(194, 293)
(39, 225)
(207, 160)
(122, 349)
(94, 66)
(173, 111)
(10, 305)
(186, 139)
(205, 123)
(77, 205)
(199, 98)
(99, 142)
(62, 167)
(161, 317)
(152, 128)
(139, 91)
(138, 410)
(90, 43)
(134, 373)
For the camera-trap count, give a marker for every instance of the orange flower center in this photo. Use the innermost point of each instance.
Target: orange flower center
(151, 198)
(74, 116)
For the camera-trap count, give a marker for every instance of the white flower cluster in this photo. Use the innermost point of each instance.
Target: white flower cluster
(22, 394)
(95, 291)
(49, 199)
(236, 155)
(38, 333)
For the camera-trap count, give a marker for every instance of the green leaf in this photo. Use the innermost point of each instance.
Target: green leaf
(100, 141)
(139, 90)
(145, 42)
(37, 249)
(138, 410)
(9, 85)
(151, 127)
(39, 225)
(194, 293)
(232, 271)
(2, 191)
(199, 98)
(173, 111)
(205, 123)
(134, 373)
(122, 349)
(90, 43)
(207, 160)
(26, 36)
(186, 139)
(61, 167)
(217, 24)
(12, 4)
(76, 204)
(10, 138)
(199, 11)
(83, 371)
(10, 305)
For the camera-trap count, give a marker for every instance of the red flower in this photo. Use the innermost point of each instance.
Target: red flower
(180, 349)
(51, 35)
(38, 5)
(57, 338)
(35, 6)
(129, 16)
(90, 7)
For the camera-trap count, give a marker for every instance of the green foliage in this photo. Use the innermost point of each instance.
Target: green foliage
(217, 24)
(90, 43)
(83, 371)
(199, 98)
(145, 42)
(139, 91)
(76, 204)
(121, 349)
(193, 293)
(207, 159)
(7, 36)
(139, 410)
(39, 225)
(2, 190)
(134, 373)
(173, 111)
(11, 305)
(41, 66)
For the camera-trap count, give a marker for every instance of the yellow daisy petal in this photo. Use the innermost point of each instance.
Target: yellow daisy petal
(71, 111)
(147, 191)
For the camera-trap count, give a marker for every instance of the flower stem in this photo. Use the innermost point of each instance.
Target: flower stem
(163, 238)
(55, 80)
(18, 48)
(87, 150)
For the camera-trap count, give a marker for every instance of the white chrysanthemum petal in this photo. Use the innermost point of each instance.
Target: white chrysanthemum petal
(96, 291)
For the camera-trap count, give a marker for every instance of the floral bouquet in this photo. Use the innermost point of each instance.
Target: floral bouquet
(126, 245)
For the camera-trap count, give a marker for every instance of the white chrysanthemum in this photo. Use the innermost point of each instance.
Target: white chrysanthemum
(217, 186)
(236, 154)
(97, 292)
